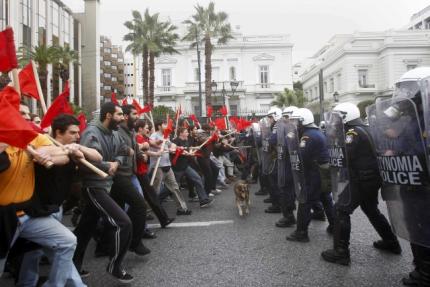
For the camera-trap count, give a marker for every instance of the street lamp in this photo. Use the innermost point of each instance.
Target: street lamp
(214, 87)
(233, 86)
(336, 97)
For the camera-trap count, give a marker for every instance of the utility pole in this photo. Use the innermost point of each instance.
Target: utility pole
(200, 73)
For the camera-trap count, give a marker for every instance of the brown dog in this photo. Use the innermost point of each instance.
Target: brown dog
(243, 202)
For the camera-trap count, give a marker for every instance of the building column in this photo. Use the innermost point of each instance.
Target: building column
(242, 104)
(91, 56)
(188, 107)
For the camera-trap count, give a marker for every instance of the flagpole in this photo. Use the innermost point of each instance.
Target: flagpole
(157, 164)
(39, 88)
(15, 80)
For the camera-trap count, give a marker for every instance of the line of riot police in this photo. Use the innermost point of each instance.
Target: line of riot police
(351, 161)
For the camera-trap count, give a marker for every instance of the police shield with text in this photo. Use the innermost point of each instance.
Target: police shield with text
(285, 179)
(313, 152)
(399, 126)
(355, 182)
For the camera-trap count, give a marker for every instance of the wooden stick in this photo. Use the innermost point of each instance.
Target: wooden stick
(15, 80)
(39, 88)
(233, 132)
(157, 164)
(152, 119)
(34, 153)
(82, 160)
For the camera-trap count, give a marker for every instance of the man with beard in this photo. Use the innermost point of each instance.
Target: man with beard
(123, 189)
(102, 136)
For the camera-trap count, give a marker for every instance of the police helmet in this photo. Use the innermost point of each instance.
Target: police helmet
(348, 111)
(303, 115)
(289, 110)
(275, 112)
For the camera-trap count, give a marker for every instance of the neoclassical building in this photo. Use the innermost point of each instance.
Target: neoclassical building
(360, 66)
(260, 66)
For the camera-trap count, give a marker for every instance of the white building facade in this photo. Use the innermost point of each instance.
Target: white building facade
(360, 66)
(262, 66)
(420, 20)
(45, 22)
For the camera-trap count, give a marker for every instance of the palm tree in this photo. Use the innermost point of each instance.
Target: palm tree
(212, 26)
(138, 38)
(43, 55)
(65, 57)
(289, 98)
(150, 37)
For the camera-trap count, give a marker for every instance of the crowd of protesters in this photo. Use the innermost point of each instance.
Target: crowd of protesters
(145, 163)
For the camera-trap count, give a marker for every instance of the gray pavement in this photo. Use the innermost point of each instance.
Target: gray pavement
(251, 251)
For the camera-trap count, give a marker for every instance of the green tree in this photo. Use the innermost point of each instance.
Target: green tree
(289, 98)
(64, 58)
(150, 38)
(213, 26)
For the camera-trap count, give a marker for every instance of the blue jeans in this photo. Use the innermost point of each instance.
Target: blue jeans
(60, 244)
(192, 175)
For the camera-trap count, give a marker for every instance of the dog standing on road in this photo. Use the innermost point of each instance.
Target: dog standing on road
(241, 190)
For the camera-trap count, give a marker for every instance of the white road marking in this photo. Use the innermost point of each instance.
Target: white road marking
(193, 224)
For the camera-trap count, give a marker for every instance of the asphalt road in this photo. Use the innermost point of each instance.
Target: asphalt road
(251, 251)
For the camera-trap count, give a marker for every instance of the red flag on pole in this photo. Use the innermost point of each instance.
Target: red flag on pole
(195, 120)
(14, 130)
(242, 124)
(11, 96)
(223, 111)
(7, 51)
(113, 99)
(169, 129)
(220, 124)
(147, 108)
(178, 152)
(124, 102)
(27, 82)
(213, 138)
(82, 122)
(137, 106)
(185, 124)
(209, 111)
(60, 105)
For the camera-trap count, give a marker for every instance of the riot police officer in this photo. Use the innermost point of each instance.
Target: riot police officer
(313, 153)
(355, 182)
(270, 162)
(285, 179)
(400, 128)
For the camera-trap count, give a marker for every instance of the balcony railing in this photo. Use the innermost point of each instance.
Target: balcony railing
(366, 86)
(165, 89)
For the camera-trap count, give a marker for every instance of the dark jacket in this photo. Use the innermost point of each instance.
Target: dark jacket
(109, 144)
(128, 167)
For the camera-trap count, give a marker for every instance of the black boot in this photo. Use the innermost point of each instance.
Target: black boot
(273, 209)
(413, 279)
(261, 192)
(267, 200)
(299, 236)
(337, 255)
(286, 221)
(390, 246)
(424, 271)
(319, 215)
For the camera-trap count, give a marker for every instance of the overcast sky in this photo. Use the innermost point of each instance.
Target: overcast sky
(311, 23)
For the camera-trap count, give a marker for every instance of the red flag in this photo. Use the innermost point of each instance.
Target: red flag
(14, 130)
(214, 137)
(11, 95)
(113, 99)
(137, 106)
(220, 124)
(242, 124)
(209, 111)
(7, 51)
(195, 120)
(146, 109)
(27, 82)
(36, 128)
(234, 120)
(60, 105)
(124, 102)
(168, 130)
(223, 111)
(82, 122)
(178, 152)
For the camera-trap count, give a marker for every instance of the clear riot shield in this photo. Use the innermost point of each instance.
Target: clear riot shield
(293, 144)
(339, 172)
(256, 134)
(266, 161)
(281, 150)
(425, 96)
(401, 155)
